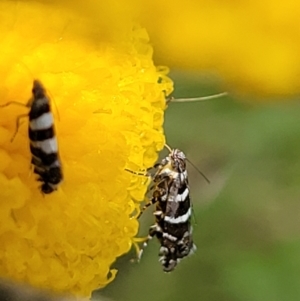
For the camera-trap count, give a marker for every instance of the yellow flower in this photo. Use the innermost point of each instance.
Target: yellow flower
(108, 100)
(253, 46)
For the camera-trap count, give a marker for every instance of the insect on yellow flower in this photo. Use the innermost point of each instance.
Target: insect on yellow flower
(43, 142)
(173, 210)
(66, 241)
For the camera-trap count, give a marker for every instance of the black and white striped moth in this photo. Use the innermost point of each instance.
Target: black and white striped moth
(43, 142)
(173, 210)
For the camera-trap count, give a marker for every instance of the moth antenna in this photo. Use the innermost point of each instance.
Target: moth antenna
(200, 172)
(30, 75)
(194, 216)
(53, 99)
(168, 148)
(193, 99)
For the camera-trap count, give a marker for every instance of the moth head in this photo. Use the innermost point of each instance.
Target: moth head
(38, 91)
(178, 160)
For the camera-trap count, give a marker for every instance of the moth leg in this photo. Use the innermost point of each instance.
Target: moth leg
(155, 197)
(18, 125)
(18, 118)
(157, 165)
(148, 204)
(135, 242)
(14, 103)
(154, 230)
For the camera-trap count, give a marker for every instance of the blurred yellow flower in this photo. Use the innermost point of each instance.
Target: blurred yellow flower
(108, 100)
(253, 46)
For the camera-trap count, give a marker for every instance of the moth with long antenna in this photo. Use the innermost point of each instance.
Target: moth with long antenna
(43, 142)
(171, 197)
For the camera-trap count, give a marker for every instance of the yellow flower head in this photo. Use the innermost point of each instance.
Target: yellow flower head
(108, 100)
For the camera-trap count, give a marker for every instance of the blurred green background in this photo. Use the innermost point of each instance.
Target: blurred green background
(247, 221)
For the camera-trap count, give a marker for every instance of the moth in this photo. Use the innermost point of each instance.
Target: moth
(173, 210)
(43, 142)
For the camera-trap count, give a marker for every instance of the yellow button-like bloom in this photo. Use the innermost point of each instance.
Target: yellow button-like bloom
(108, 100)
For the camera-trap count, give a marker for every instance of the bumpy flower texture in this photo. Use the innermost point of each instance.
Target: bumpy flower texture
(108, 101)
